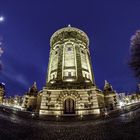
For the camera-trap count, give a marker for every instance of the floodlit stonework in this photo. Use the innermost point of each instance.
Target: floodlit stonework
(70, 87)
(110, 97)
(30, 99)
(2, 92)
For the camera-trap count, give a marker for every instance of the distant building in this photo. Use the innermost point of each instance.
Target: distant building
(30, 99)
(110, 97)
(18, 100)
(2, 92)
(8, 101)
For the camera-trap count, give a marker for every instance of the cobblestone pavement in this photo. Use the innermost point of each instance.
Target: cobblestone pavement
(123, 127)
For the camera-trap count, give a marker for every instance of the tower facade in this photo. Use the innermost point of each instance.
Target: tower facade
(70, 86)
(69, 63)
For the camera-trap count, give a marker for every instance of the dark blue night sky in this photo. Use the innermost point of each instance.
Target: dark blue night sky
(29, 25)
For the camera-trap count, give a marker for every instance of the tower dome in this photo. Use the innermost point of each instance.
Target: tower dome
(69, 62)
(67, 33)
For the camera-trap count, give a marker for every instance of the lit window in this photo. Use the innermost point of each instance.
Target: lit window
(69, 74)
(69, 49)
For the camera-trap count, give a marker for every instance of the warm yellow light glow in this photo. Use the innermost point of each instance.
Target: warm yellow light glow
(69, 80)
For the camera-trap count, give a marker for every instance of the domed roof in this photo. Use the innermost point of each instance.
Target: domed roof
(69, 32)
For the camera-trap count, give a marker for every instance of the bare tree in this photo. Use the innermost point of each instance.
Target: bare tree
(135, 54)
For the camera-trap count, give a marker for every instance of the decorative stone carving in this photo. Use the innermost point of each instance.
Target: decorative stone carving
(69, 32)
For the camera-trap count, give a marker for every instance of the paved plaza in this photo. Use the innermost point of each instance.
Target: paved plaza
(124, 127)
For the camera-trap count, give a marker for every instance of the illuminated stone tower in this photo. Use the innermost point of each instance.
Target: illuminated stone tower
(70, 86)
(69, 64)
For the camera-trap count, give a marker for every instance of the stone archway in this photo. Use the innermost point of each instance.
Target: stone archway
(69, 106)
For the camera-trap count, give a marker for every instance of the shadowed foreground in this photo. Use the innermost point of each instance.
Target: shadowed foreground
(124, 127)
